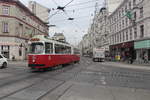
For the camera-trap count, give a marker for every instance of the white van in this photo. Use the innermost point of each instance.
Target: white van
(99, 54)
(3, 61)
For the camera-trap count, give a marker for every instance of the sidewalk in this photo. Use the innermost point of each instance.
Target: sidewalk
(126, 65)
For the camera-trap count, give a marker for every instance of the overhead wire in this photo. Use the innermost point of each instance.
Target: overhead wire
(72, 21)
(72, 10)
(54, 14)
(74, 18)
(82, 3)
(84, 8)
(79, 9)
(68, 10)
(59, 10)
(69, 3)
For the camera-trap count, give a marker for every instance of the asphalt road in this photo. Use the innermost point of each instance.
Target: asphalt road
(85, 81)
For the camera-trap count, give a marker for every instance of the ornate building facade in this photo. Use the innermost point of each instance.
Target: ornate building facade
(17, 25)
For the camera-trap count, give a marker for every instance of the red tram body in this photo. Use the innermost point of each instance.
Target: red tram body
(46, 53)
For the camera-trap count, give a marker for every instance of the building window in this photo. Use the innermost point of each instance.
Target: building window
(122, 12)
(119, 14)
(5, 27)
(134, 2)
(120, 38)
(20, 29)
(135, 32)
(135, 16)
(126, 35)
(115, 38)
(126, 8)
(142, 31)
(123, 36)
(122, 23)
(5, 10)
(131, 34)
(117, 27)
(141, 12)
(130, 5)
(126, 21)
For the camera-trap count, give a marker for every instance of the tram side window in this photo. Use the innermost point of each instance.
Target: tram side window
(48, 48)
(68, 50)
(58, 49)
(76, 51)
(61, 49)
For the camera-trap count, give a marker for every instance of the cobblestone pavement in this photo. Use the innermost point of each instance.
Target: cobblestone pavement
(85, 81)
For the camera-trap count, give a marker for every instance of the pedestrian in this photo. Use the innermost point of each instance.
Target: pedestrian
(13, 58)
(145, 58)
(130, 60)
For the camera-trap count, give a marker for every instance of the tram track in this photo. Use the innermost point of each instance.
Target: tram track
(42, 77)
(25, 80)
(19, 78)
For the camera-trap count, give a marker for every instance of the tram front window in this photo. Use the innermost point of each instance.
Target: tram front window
(37, 48)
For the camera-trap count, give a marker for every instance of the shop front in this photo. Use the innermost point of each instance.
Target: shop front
(13, 48)
(142, 50)
(123, 50)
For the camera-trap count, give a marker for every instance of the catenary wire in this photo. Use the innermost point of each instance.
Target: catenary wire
(82, 3)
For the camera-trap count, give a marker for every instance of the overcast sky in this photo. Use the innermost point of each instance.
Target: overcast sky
(81, 10)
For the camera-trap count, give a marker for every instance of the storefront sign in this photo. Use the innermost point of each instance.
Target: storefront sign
(123, 45)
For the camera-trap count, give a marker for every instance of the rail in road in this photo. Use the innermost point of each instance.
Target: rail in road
(17, 83)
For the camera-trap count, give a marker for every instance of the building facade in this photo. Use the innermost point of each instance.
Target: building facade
(39, 10)
(102, 37)
(59, 37)
(85, 45)
(97, 36)
(129, 28)
(17, 25)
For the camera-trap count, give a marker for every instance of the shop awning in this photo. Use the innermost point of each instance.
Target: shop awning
(142, 44)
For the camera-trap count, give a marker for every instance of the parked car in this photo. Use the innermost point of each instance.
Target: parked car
(3, 61)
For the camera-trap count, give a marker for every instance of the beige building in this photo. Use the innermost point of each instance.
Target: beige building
(102, 29)
(39, 10)
(85, 44)
(17, 25)
(59, 37)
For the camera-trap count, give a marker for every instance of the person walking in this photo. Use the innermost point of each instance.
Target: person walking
(130, 59)
(145, 58)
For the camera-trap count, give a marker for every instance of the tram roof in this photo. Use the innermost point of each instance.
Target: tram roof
(43, 38)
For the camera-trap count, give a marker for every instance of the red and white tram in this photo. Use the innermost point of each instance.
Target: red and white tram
(46, 53)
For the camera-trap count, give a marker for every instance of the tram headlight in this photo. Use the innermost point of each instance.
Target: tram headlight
(33, 58)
